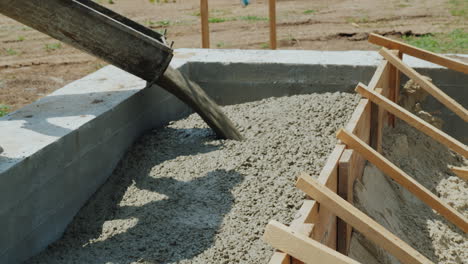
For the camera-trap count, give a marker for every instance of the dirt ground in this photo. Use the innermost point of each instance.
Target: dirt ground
(33, 65)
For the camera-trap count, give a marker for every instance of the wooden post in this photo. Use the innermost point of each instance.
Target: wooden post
(272, 9)
(205, 28)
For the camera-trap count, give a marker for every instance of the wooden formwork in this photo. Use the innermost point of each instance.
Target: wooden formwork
(341, 169)
(346, 164)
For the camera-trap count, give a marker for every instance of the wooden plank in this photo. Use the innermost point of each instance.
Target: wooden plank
(381, 76)
(379, 124)
(325, 227)
(404, 179)
(397, 85)
(359, 122)
(380, 79)
(304, 224)
(460, 172)
(319, 221)
(280, 258)
(363, 223)
(426, 85)
(393, 88)
(272, 13)
(350, 168)
(343, 192)
(300, 246)
(205, 26)
(308, 212)
(413, 120)
(419, 53)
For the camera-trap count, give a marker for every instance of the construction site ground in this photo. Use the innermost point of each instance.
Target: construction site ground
(33, 64)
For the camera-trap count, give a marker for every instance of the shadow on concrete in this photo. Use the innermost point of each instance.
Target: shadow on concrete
(180, 223)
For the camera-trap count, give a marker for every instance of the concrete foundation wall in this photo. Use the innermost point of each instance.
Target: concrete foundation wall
(60, 149)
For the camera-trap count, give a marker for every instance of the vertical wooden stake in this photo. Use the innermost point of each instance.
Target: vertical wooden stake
(205, 30)
(272, 8)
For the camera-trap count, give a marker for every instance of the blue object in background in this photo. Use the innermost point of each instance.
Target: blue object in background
(245, 2)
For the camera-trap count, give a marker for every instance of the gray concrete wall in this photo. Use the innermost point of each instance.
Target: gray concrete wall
(60, 149)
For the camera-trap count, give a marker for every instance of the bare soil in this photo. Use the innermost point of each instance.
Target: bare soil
(29, 69)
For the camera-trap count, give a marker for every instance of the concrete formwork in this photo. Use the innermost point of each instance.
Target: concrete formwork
(60, 149)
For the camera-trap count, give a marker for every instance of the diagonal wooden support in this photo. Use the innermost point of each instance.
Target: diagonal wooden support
(360, 221)
(413, 120)
(425, 84)
(302, 247)
(419, 53)
(460, 172)
(403, 179)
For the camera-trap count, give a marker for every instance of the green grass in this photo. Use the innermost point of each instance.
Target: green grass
(163, 23)
(458, 8)
(52, 46)
(253, 18)
(3, 110)
(265, 46)
(309, 11)
(21, 38)
(217, 20)
(11, 52)
(220, 44)
(403, 5)
(454, 42)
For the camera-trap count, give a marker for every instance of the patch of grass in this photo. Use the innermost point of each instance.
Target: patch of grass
(11, 52)
(220, 44)
(309, 11)
(21, 38)
(455, 41)
(403, 5)
(458, 8)
(52, 46)
(265, 46)
(217, 20)
(253, 18)
(163, 23)
(4, 109)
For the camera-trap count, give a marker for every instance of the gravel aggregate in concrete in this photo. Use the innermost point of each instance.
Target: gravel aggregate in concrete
(182, 196)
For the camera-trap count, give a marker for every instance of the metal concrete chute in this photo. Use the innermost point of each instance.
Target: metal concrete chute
(121, 42)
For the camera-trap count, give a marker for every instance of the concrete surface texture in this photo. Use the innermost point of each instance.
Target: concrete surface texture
(60, 149)
(401, 212)
(180, 196)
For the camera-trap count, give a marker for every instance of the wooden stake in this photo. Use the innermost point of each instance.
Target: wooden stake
(413, 120)
(460, 172)
(205, 28)
(272, 11)
(302, 247)
(419, 53)
(361, 222)
(403, 179)
(426, 85)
